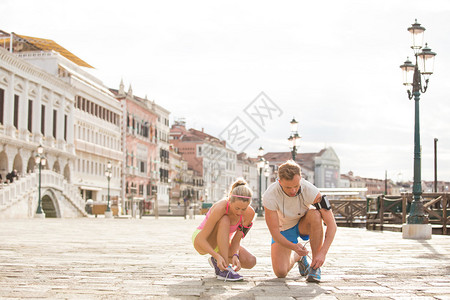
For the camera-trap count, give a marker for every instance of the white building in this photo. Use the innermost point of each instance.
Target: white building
(96, 119)
(327, 169)
(163, 149)
(35, 109)
(246, 168)
(219, 168)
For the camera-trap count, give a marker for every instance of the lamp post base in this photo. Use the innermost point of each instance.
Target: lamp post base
(39, 215)
(108, 214)
(416, 231)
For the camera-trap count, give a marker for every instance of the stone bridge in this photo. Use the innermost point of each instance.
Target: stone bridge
(59, 199)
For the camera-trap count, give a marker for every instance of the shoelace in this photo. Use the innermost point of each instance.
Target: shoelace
(230, 270)
(315, 274)
(226, 277)
(304, 246)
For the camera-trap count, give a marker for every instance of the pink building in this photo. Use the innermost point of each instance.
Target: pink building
(212, 165)
(140, 171)
(187, 142)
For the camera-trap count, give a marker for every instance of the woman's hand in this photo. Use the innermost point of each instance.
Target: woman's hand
(221, 263)
(236, 264)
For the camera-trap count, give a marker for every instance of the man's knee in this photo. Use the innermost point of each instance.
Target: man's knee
(280, 273)
(314, 217)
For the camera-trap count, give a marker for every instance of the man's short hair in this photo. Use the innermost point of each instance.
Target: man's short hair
(288, 170)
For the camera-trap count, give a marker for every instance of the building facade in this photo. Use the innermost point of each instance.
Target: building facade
(327, 169)
(209, 159)
(96, 119)
(321, 168)
(163, 148)
(35, 109)
(246, 168)
(140, 151)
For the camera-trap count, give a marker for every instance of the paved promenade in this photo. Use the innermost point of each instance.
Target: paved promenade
(100, 258)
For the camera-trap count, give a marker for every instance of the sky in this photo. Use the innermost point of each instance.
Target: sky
(331, 64)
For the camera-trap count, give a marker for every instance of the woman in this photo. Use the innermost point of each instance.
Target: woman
(220, 233)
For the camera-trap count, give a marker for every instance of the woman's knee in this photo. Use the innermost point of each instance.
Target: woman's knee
(250, 262)
(224, 221)
(198, 248)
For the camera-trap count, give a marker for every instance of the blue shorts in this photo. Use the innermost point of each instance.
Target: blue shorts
(292, 234)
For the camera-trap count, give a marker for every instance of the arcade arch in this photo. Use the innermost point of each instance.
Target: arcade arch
(18, 164)
(3, 165)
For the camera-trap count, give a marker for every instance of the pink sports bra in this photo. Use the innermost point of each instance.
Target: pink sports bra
(233, 228)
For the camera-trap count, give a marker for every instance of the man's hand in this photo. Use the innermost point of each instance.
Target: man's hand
(318, 260)
(300, 250)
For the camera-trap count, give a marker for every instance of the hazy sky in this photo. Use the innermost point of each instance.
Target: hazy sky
(334, 65)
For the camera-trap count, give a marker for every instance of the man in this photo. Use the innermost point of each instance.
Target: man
(295, 208)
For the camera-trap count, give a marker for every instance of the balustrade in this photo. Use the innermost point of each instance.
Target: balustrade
(9, 193)
(383, 210)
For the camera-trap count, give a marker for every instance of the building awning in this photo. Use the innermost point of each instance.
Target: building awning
(47, 45)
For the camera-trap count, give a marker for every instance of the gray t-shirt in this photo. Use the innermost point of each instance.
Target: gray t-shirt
(289, 209)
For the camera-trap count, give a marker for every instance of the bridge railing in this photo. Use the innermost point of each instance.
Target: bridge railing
(57, 181)
(348, 205)
(383, 209)
(11, 192)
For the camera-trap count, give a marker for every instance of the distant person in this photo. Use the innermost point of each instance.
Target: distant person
(220, 233)
(11, 176)
(295, 208)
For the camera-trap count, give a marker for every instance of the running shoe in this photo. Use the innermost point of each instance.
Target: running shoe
(303, 266)
(213, 262)
(313, 275)
(229, 275)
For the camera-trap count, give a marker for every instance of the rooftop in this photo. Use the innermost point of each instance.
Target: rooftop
(23, 43)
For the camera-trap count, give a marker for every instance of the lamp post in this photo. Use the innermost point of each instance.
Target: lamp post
(156, 178)
(169, 211)
(266, 171)
(41, 161)
(435, 165)
(417, 222)
(108, 174)
(260, 167)
(294, 137)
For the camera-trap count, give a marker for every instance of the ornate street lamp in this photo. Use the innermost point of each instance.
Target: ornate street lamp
(108, 174)
(417, 222)
(266, 171)
(41, 161)
(261, 163)
(294, 137)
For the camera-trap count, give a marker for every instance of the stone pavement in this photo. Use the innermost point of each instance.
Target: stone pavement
(145, 258)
